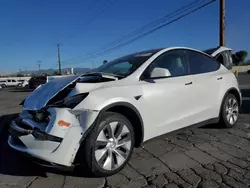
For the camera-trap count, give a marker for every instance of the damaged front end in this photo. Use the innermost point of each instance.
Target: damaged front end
(49, 128)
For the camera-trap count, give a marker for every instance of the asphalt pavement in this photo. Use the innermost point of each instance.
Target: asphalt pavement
(201, 157)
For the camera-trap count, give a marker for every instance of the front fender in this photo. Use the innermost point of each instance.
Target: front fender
(101, 98)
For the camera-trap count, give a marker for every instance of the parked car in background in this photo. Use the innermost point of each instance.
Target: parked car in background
(36, 81)
(96, 119)
(11, 83)
(24, 83)
(2, 83)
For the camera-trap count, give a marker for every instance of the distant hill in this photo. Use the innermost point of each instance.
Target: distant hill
(77, 70)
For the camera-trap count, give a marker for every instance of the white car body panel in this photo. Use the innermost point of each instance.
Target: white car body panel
(166, 115)
(164, 105)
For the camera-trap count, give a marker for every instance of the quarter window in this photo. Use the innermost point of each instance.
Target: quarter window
(200, 63)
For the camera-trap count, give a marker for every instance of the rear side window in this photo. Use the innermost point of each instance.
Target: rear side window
(200, 63)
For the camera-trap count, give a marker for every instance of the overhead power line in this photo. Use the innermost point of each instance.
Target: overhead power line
(154, 23)
(99, 11)
(145, 27)
(143, 34)
(89, 21)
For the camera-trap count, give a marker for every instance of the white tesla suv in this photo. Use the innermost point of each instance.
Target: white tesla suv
(96, 119)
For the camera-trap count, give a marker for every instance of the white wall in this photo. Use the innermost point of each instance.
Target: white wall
(15, 78)
(241, 68)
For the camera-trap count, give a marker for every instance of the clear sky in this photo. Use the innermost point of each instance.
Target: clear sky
(31, 29)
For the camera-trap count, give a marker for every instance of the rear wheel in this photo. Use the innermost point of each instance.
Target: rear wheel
(229, 111)
(109, 146)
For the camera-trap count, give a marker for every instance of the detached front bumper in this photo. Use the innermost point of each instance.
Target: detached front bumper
(52, 142)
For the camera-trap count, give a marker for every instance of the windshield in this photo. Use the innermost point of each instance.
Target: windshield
(126, 65)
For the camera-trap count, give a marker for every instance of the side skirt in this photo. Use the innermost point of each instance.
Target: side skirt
(196, 125)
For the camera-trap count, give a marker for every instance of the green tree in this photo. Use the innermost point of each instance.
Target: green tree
(239, 57)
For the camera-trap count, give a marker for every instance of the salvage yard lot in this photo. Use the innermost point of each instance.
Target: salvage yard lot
(201, 157)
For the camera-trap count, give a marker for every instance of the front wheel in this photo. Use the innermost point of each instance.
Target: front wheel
(229, 111)
(109, 146)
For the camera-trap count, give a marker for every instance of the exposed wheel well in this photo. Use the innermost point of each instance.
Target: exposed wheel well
(133, 117)
(234, 92)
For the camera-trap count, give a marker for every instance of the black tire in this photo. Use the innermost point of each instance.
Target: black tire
(224, 122)
(89, 146)
(19, 85)
(4, 86)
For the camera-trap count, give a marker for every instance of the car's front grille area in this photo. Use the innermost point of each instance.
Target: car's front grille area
(21, 124)
(20, 128)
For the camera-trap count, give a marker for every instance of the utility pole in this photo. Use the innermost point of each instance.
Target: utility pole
(93, 64)
(59, 60)
(222, 22)
(39, 65)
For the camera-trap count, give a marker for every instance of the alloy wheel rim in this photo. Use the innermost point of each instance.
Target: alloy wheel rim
(113, 145)
(232, 111)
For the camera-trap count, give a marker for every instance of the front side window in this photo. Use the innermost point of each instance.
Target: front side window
(171, 64)
(200, 63)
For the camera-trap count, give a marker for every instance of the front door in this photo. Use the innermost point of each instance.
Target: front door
(167, 100)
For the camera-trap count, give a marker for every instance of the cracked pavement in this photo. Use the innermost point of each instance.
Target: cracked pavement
(206, 157)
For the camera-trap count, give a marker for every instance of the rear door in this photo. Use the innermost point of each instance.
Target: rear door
(208, 78)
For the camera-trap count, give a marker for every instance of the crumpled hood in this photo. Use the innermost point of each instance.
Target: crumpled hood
(41, 96)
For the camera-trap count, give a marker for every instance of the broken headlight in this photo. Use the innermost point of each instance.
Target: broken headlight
(71, 102)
